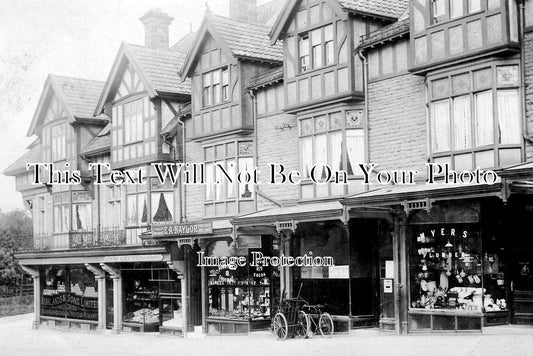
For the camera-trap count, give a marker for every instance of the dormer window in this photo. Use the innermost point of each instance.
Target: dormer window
(215, 87)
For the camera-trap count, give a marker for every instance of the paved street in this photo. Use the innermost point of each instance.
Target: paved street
(17, 338)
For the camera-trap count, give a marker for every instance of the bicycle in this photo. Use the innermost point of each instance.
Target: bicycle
(313, 320)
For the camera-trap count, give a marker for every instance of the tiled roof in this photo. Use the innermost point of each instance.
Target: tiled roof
(247, 40)
(101, 143)
(268, 77)
(184, 43)
(34, 155)
(388, 32)
(385, 8)
(160, 68)
(267, 13)
(81, 95)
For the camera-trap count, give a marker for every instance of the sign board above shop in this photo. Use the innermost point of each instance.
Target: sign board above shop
(160, 231)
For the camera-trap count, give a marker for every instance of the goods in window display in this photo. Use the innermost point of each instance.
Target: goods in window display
(448, 271)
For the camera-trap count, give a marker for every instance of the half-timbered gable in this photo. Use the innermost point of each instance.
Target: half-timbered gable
(142, 94)
(319, 38)
(452, 31)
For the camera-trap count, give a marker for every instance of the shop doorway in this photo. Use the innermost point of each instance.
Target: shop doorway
(193, 274)
(371, 273)
(519, 234)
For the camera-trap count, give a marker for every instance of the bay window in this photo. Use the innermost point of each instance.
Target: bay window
(234, 157)
(333, 140)
(133, 121)
(61, 212)
(58, 138)
(316, 48)
(443, 10)
(81, 217)
(162, 201)
(215, 86)
(136, 205)
(475, 117)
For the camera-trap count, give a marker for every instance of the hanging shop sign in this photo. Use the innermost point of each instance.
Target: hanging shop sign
(184, 229)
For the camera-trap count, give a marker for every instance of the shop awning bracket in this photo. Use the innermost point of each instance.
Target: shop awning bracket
(422, 204)
(286, 226)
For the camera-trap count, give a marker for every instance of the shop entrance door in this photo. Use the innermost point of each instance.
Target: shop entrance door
(520, 261)
(365, 283)
(522, 286)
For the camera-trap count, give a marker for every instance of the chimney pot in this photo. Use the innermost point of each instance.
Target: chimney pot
(156, 24)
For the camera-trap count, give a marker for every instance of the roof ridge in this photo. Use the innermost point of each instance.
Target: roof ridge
(241, 22)
(75, 78)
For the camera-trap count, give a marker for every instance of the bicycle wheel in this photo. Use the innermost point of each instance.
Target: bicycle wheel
(325, 324)
(280, 327)
(303, 324)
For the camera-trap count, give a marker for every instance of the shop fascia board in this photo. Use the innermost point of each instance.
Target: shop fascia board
(445, 193)
(336, 214)
(91, 256)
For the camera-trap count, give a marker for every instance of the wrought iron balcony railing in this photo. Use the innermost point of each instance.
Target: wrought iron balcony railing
(79, 239)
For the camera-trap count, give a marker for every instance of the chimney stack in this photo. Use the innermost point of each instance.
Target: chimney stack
(243, 10)
(156, 24)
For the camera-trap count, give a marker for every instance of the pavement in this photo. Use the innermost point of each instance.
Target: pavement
(18, 338)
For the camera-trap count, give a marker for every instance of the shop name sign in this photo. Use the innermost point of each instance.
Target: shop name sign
(185, 229)
(134, 258)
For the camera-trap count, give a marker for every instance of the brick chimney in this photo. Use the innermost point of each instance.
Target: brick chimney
(156, 24)
(243, 10)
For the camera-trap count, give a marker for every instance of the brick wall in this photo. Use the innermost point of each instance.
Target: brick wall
(277, 146)
(397, 123)
(528, 65)
(194, 194)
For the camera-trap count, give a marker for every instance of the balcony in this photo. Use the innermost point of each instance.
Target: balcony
(79, 239)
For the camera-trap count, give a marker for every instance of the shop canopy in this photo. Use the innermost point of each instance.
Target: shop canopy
(331, 210)
(418, 195)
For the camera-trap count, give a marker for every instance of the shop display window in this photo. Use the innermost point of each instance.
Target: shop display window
(69, 292)
(451, 271)
(238, 292)
(152, 297)
(324, 284)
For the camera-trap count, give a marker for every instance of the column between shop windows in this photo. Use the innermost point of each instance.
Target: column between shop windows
(117, 296)
(34, 273)
(100, 277)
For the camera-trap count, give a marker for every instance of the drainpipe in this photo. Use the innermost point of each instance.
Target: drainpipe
(522, 17)
(254, 119)
(183, 206)
(365, 91)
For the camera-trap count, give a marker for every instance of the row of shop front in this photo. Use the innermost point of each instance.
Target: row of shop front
(406, 258)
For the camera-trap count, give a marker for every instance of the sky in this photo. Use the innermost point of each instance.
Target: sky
(77, 38)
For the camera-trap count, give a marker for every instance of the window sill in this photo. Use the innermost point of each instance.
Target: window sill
(447, 22)
(314, 70)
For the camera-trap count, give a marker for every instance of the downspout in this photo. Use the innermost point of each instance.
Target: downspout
(254, 119)
(183, 206)
(365, 91)
(522, 17)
